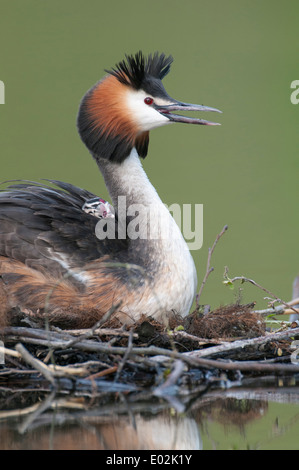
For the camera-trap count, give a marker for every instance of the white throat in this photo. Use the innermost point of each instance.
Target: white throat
(128, 179)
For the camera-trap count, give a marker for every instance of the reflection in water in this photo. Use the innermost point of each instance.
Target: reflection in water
(139, 433)
(232, 412)
(78, 423)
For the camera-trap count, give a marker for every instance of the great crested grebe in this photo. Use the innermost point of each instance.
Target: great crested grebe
(51, 260)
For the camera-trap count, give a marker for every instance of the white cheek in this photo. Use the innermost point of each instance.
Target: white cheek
(145, 116)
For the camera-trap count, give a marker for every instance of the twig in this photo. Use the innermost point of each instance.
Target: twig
(9, 352)
(251, 281)
(280, 310)
(101, 332)
(126, 355)
(102, 373)
(47, 403)
(169, 389)
(35, 363)
(289, 311)
(49, 371)
(209, 269)
(241, 344)
(168, 386)
(252, 366)
(5, 414)
(294, 301)
(177, 334)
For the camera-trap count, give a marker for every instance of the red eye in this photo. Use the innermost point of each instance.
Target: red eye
(148, 100)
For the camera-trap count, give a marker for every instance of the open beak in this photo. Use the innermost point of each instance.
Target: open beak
(179, 106)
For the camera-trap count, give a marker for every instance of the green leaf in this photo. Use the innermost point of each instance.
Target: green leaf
(229, 284)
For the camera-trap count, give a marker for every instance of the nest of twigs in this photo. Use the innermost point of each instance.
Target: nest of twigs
(149, 355)
(230, 321)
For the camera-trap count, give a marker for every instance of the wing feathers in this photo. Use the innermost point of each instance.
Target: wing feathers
(50, 257)
(40, 221)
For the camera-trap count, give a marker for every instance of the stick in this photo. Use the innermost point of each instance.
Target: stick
(169, 389)
(294, 301)
(35, 363)
(168, 386)
(102, 373)
(256, 366)
(126, 355)
(101, 332)
(241, 344)
(10, 352)
(251, 281)
(209, 269)
(47, 403)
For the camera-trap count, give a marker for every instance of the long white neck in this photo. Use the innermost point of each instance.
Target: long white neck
(128, 179)
(130, 188)
(160, 247)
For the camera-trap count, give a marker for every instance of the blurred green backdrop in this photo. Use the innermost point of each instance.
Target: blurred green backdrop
(239, 56)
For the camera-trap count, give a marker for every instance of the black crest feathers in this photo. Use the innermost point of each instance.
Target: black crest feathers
(136, 69)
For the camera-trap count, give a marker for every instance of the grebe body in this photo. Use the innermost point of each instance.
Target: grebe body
(53, 263)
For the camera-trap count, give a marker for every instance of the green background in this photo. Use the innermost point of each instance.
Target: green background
(239, 56)
(236, 55)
